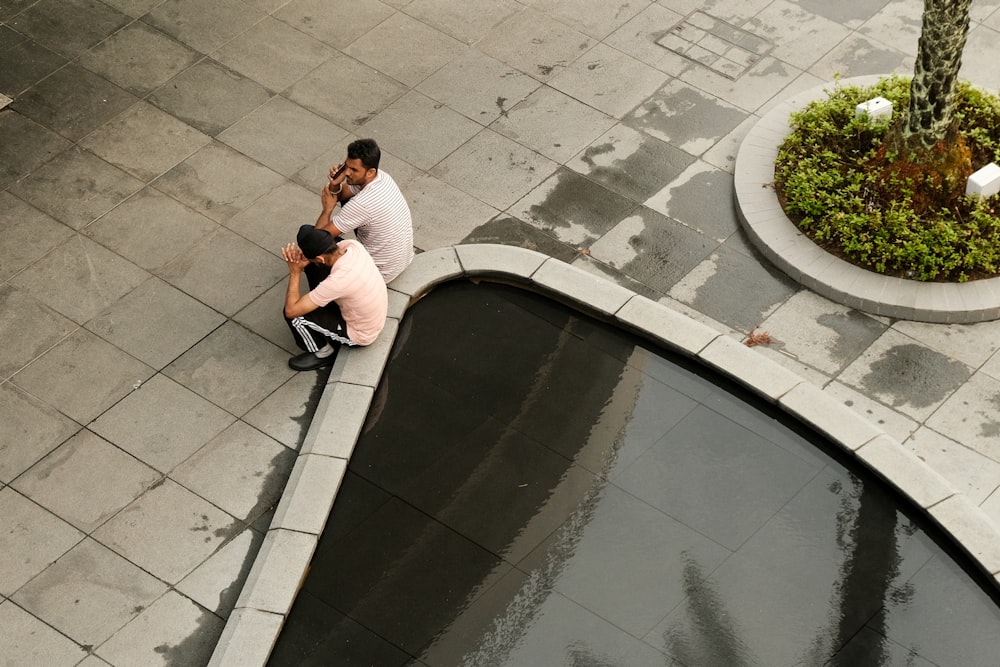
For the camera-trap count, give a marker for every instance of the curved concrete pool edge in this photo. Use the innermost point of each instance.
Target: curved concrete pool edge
(781, 241)
(281, 564)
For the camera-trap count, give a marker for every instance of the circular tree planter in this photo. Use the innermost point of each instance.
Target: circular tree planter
(781, 241)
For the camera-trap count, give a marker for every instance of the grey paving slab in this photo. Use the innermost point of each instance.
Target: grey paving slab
(535, 43)
(204, 25)
(30, 327)
(906, 375)
(708, 289)
(31, 539)
(290, 54)
(29, 641)
(26, 62)
(162, 423)
(858, 55)
(630, 163)
(553, 123)
(93, 376)
(69, 27)
(821, 333)
(371, 91)
(167, 531)
(975, 475)
(73, 101)
(467, 21)
(76, 187)
(461, 83)
(271, 221)
(608, 80)
(697, 197)
(25, 145)
(685, 117)
(139, 58)
(31, 429)
(224, 270)
(282, 135)
(572, 208)
(86, 481)
(259, 317)
(28, 234)
(150, 229)
(89, 593)
(638, 37)
(494, 169)
(970, 416)
(209, 97)
(156, 336)
(336, 28)
(216, 583)
(241, 471)
(433, 204)
(172, 629)
(404, 48)
(232, 367)
(80, 278)
(634, 246)
(441, 129)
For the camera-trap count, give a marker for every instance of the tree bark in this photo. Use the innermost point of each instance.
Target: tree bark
(935, 74)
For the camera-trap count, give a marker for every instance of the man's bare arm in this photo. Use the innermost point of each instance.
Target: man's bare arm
(295, 305)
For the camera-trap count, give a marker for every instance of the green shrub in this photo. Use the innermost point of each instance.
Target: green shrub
(836, 180)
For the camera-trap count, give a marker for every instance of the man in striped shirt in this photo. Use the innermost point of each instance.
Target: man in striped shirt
(372, 206)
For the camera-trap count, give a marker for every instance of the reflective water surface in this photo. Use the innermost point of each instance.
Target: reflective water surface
(534, 487)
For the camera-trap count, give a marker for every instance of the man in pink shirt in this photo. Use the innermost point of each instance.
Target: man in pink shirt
(347, 308)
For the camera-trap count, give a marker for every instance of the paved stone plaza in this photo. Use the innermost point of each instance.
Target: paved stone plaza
(155, 155)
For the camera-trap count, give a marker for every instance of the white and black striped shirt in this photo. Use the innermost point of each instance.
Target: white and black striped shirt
(380, 218)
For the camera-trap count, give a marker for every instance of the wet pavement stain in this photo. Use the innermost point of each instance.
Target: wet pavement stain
(575, 201)
(686, 117)
(505, 230)
(737, 290)
(641, 164)
(914, 375)
(703, 202)
(855, 332)
(665, 251)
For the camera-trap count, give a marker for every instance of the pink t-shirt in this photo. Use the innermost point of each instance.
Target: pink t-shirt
(357, 286)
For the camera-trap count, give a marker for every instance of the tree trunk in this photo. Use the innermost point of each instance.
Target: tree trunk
(935, 74)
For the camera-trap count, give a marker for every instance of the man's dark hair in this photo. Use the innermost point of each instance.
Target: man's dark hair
(365, 150)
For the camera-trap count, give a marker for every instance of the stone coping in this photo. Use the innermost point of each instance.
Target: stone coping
(281, 564)
(793, 252)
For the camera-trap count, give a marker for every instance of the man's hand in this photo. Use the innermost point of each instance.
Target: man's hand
(296, 260)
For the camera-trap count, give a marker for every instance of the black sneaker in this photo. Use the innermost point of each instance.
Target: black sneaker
(308, 361)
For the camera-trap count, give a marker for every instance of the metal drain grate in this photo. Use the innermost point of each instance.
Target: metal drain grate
(719, 46)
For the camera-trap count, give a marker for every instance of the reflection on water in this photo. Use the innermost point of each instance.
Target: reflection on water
(537, 488)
